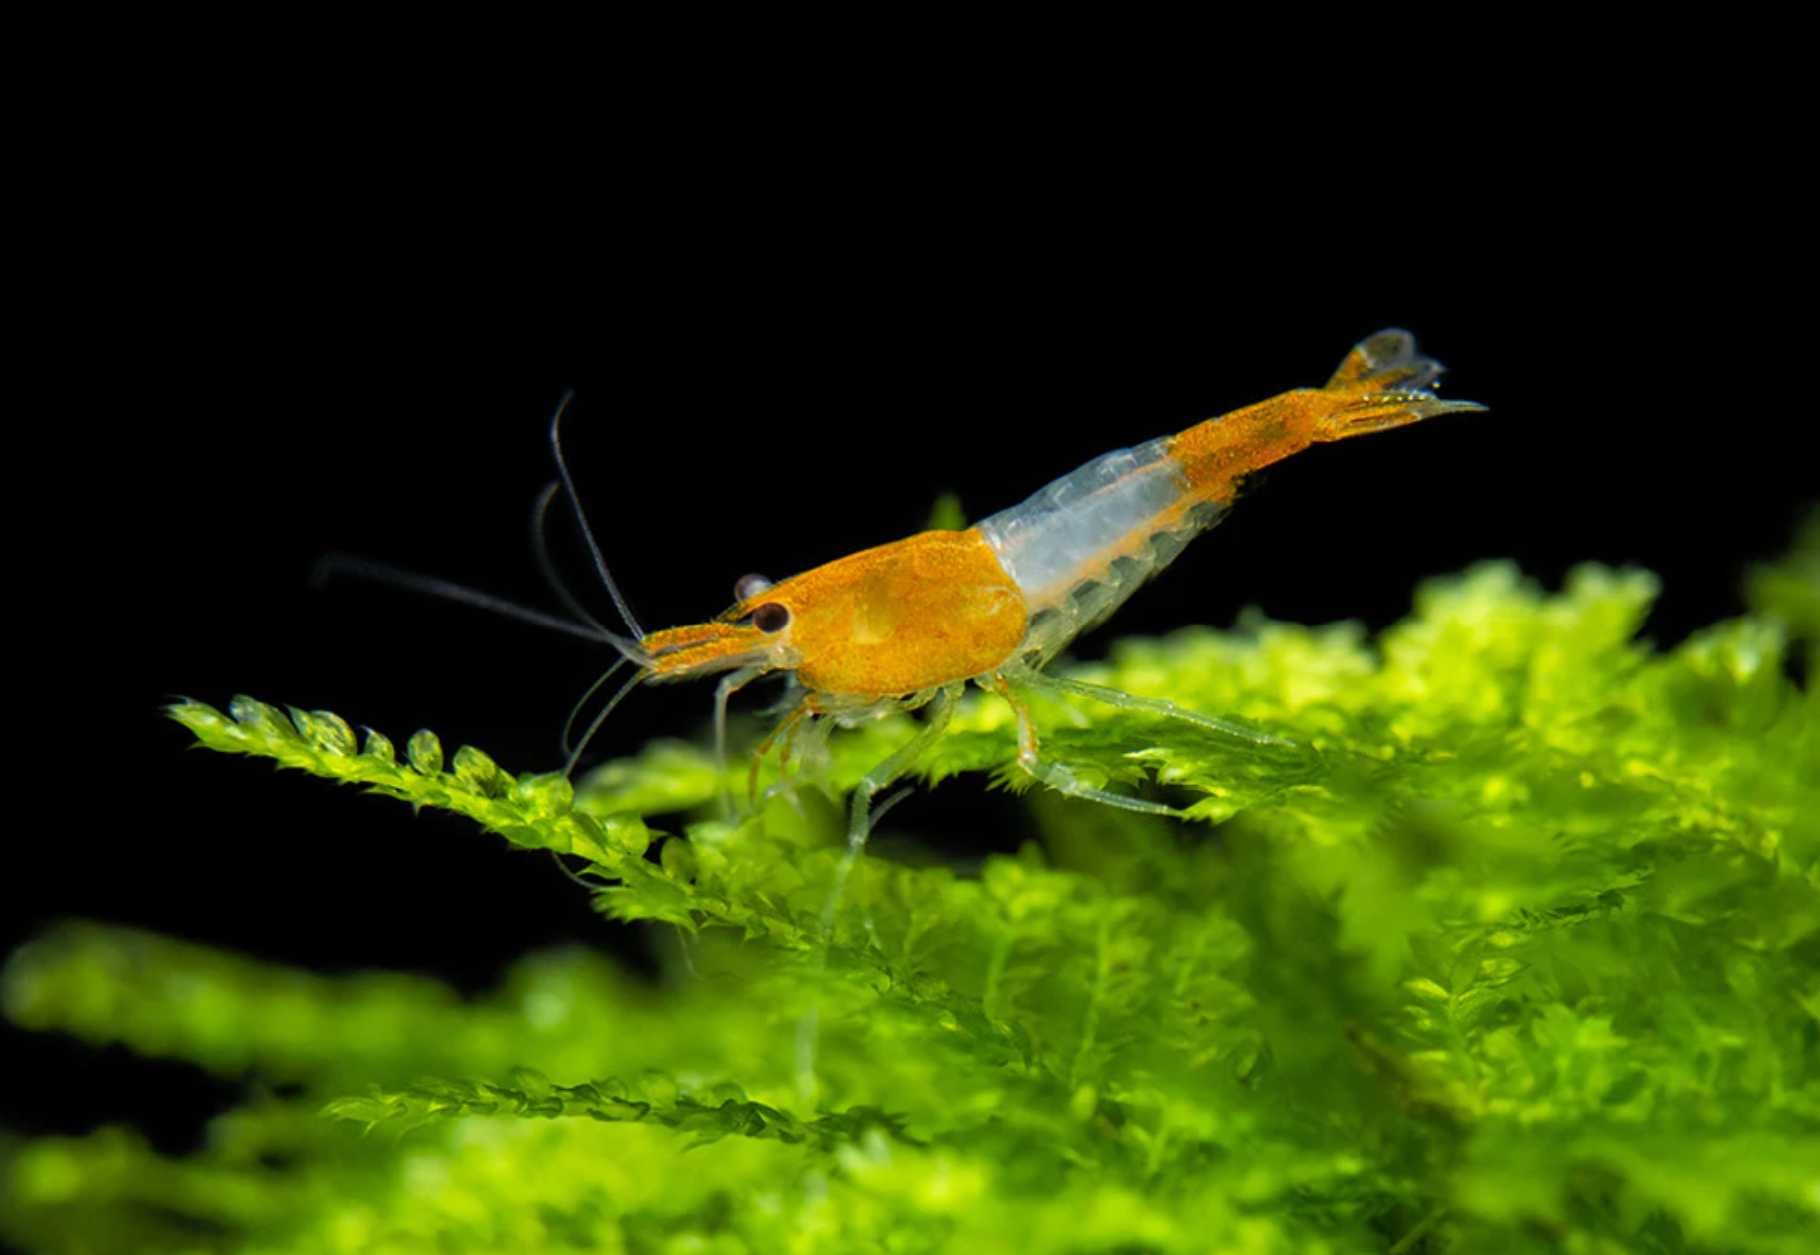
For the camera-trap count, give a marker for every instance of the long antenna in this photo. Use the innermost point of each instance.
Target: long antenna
(540, 546)
(581, 517)
(365, 568)
(568, 725)
(638, 677)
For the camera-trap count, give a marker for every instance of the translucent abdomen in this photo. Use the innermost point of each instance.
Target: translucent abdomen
(1079, 547)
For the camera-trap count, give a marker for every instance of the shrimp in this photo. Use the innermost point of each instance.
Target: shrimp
(910, 624)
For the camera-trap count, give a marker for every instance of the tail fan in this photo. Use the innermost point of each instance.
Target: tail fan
(1384, 383)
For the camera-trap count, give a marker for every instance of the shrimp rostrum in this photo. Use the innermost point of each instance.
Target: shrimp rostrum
(910, 624)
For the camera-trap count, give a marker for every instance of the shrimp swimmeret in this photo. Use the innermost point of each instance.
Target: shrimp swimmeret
(910, 624)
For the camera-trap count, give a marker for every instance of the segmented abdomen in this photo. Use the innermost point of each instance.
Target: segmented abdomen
(1079, 547)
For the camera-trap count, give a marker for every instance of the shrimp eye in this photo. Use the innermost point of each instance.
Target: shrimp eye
(749, 586)
(771, 617)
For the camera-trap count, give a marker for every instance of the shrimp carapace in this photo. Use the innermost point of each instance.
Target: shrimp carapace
(911, 615)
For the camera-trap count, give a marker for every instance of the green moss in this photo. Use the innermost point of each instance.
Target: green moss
(1519, 951)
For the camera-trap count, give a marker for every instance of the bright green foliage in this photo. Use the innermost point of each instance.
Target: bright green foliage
(1520, 951)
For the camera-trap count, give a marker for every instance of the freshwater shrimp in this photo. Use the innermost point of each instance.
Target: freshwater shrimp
(908, 625)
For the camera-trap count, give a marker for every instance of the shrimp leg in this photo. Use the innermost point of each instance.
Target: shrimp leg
(1156, 705)
(730, 684)
(785, 731)
(876, 781)
(1056, 775)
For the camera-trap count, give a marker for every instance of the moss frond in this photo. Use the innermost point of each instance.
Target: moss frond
(718, 1111)
(1516, 950)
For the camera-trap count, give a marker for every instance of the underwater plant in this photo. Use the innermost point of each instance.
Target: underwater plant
(1515, 947)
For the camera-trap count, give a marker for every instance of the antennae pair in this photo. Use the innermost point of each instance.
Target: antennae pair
(581, 517)
(581, 746)
(331, 565)
(589, 627)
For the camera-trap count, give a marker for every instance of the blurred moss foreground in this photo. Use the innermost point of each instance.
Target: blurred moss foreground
(1520, 952)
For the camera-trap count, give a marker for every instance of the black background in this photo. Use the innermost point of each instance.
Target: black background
(767, 379)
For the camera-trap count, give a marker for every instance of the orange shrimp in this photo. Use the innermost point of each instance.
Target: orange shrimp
(911, 623)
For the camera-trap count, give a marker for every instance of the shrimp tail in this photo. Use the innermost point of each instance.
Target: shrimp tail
(1383, 383)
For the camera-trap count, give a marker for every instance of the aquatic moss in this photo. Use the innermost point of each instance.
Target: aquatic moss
(1518, 950)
